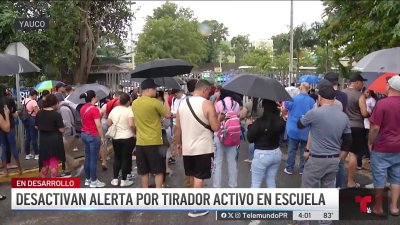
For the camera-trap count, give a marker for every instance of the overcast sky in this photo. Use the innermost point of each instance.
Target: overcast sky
(259, 19)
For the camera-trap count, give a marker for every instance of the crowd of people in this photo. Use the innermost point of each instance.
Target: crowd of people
(206, 126)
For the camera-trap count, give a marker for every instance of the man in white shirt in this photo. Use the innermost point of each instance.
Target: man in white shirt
(176, 101)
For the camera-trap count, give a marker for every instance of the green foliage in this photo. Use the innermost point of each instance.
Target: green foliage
(241, 45)
(259, 58)
(170, 33)
(218, 33)
(361, 27)
(58, 51)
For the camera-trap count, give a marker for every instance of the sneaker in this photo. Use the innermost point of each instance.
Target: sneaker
(36, 157)
(87, 182)
(114, 182)
(130, 176)
(125, 183)
(195, 214)
(359, 168)
(97, 184)
(301, 173)
(78, 172)
(28, 157)
(65, 174)
(287, 172)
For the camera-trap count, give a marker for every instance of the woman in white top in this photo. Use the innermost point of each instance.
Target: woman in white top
(123, 142)
(370, 98)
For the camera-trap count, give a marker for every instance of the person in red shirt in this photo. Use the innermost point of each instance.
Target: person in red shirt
(113, 103)
(171, 97)
(384, 144)
(92, 137)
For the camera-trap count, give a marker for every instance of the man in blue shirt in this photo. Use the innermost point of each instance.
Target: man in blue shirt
(301, 104)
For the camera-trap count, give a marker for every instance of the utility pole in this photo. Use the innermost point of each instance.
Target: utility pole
(132, 41)
(291, 44)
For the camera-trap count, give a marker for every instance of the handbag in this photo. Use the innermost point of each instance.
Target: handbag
(112, 130)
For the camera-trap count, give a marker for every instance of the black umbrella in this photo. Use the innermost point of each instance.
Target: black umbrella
(12, 64)
(167, 82)
(162, 68)
(100, 90)
(257, 86)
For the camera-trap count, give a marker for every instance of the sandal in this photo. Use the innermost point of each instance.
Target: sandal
(380, 214)
(104, 167)
(357, 185)
(393, 213)
(2, 197)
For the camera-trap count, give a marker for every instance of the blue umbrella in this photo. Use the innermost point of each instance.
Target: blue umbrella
(311, 79)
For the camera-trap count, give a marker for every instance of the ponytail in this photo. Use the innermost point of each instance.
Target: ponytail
(88, 96)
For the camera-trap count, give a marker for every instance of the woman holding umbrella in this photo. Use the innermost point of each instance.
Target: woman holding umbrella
(92, 136)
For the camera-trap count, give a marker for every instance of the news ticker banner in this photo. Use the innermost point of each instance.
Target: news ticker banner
(66, 194)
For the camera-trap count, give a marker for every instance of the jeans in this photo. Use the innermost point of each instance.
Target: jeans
(92, 148)
(292, 151)
(265, 164)
(341, 176)
(31, 135)
(385, 167)
(251, 151)
(9, 145)
(230, 152)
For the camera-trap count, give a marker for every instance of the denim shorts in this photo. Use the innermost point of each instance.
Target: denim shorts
(385, 165)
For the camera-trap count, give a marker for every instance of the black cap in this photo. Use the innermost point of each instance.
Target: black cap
(327, 92)
(174, 91)
(332, 77)
(147, 84)
(357, 77)
(324, 83)
(60, 84)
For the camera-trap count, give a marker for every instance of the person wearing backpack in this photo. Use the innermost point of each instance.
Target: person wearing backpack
(227, 138)
(28, 115)
(73, 126)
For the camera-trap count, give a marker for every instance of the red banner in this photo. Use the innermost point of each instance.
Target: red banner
(45, 183)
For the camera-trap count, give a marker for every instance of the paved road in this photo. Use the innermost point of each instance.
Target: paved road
(7, 217)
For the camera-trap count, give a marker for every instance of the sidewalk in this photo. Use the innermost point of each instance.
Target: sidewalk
(30, 167)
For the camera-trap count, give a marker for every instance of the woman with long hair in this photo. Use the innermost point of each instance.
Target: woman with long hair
(51, 146)
(123, 142)
(225, 103)
(4, 127)
(92, 137)
(265, 133)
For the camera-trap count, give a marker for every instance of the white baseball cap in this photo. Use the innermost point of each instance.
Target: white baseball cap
(394, 83)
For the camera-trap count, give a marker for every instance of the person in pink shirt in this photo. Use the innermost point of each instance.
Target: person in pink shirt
(92, 137)
(226, 102)
(31, 133)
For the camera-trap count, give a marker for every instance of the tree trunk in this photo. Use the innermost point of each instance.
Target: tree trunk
(88, 42)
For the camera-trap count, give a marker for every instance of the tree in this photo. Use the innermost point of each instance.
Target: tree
(260, 59)
(360, 27)
(218, 33)
(169, 33)
(70, 44)
(241, 46)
